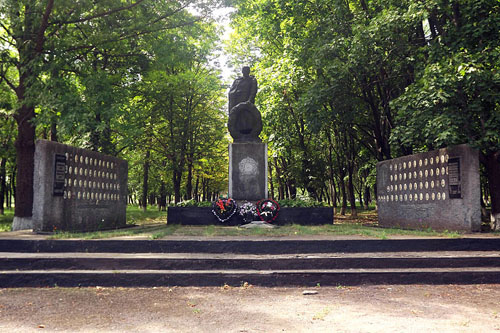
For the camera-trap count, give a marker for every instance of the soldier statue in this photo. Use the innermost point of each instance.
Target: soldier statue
(245, 122)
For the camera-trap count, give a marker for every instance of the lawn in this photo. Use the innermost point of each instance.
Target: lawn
(6, 220)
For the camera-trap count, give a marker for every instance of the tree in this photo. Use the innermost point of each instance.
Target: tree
(34, 33)
(456, 94)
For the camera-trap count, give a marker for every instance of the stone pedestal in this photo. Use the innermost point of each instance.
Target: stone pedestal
(248, 171)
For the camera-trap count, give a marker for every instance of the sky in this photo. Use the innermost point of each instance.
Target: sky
(222, 17)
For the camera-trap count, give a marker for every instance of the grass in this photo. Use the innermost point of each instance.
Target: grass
(135, 215)
(298, 230)
(151, 224)
(6, 220)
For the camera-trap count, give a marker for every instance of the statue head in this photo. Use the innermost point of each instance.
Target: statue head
(246, 71)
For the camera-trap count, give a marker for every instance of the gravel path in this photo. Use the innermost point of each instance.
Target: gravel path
(393, 308)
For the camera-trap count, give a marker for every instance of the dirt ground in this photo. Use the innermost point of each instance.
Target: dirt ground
(394, 308)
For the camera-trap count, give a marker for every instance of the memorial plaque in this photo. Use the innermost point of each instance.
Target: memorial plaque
(59, 174)
(77, 190)
(454, 178)
(439, 189)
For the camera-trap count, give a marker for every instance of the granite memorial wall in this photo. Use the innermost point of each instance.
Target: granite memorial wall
(77, 189)
(439, 189)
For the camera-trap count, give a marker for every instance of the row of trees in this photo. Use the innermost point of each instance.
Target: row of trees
(347, 83)
(343, 84)
(128, 78)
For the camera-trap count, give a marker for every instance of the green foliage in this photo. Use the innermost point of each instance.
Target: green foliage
(344, 84)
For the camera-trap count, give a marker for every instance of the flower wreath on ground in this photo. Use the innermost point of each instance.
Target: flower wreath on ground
(248, 212)
(268, 210)
(224, 209)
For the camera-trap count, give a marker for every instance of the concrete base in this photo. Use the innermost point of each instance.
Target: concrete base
(22, 223)
(287, 215)
(248, 171)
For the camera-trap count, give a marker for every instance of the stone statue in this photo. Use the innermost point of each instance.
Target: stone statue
(245, 122)
(243, 89)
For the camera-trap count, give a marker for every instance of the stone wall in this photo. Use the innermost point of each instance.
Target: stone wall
(77, 189)
(439, 189)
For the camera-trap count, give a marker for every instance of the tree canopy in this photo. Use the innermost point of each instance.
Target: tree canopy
(343, 84)
(369, 80)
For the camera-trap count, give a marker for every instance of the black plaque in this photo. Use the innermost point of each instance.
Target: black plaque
(59, 174)
(454, 183)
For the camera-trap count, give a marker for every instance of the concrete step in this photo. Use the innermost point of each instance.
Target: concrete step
(306, 278)
(266, 262)
(251, 246)
(205, 261)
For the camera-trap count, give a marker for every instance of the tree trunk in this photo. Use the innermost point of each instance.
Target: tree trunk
(352, 198)
(281, 188)
(493, 171)
(176, 180)
(196, 187)
(152, 199)
(162, 203)
(367, 197)
(189, 181)
(25, 149)
(344, 196)
(271, 181)
(3, 175)
(53, 131)
(145, 180)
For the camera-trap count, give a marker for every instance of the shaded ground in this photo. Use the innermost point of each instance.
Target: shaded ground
(420, 308)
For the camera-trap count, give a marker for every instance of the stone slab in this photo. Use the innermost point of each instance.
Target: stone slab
(439, 189)
(77, 189)
(248, 171)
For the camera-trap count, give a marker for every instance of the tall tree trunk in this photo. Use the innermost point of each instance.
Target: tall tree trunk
(343, 192)
(25, 149)
(189, 181)
(196, 187)
(145, 181)
(493, 171)
(350, 184)
(3, 188)
(367, 197)
(162, 203)
(176, 180)
(270, 167)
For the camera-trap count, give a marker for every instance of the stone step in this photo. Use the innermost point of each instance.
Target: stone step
(204, 261)
(306, 278)
(251, 246)
(266, 262)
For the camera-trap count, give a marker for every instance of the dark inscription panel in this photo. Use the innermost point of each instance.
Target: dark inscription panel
(454, 181)
(59, 174)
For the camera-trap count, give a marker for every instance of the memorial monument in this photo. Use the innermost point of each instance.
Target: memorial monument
(439, 189)
(247, 154)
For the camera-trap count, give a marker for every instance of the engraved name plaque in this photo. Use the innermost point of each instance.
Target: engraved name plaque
(454, 182)
(59, 174)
